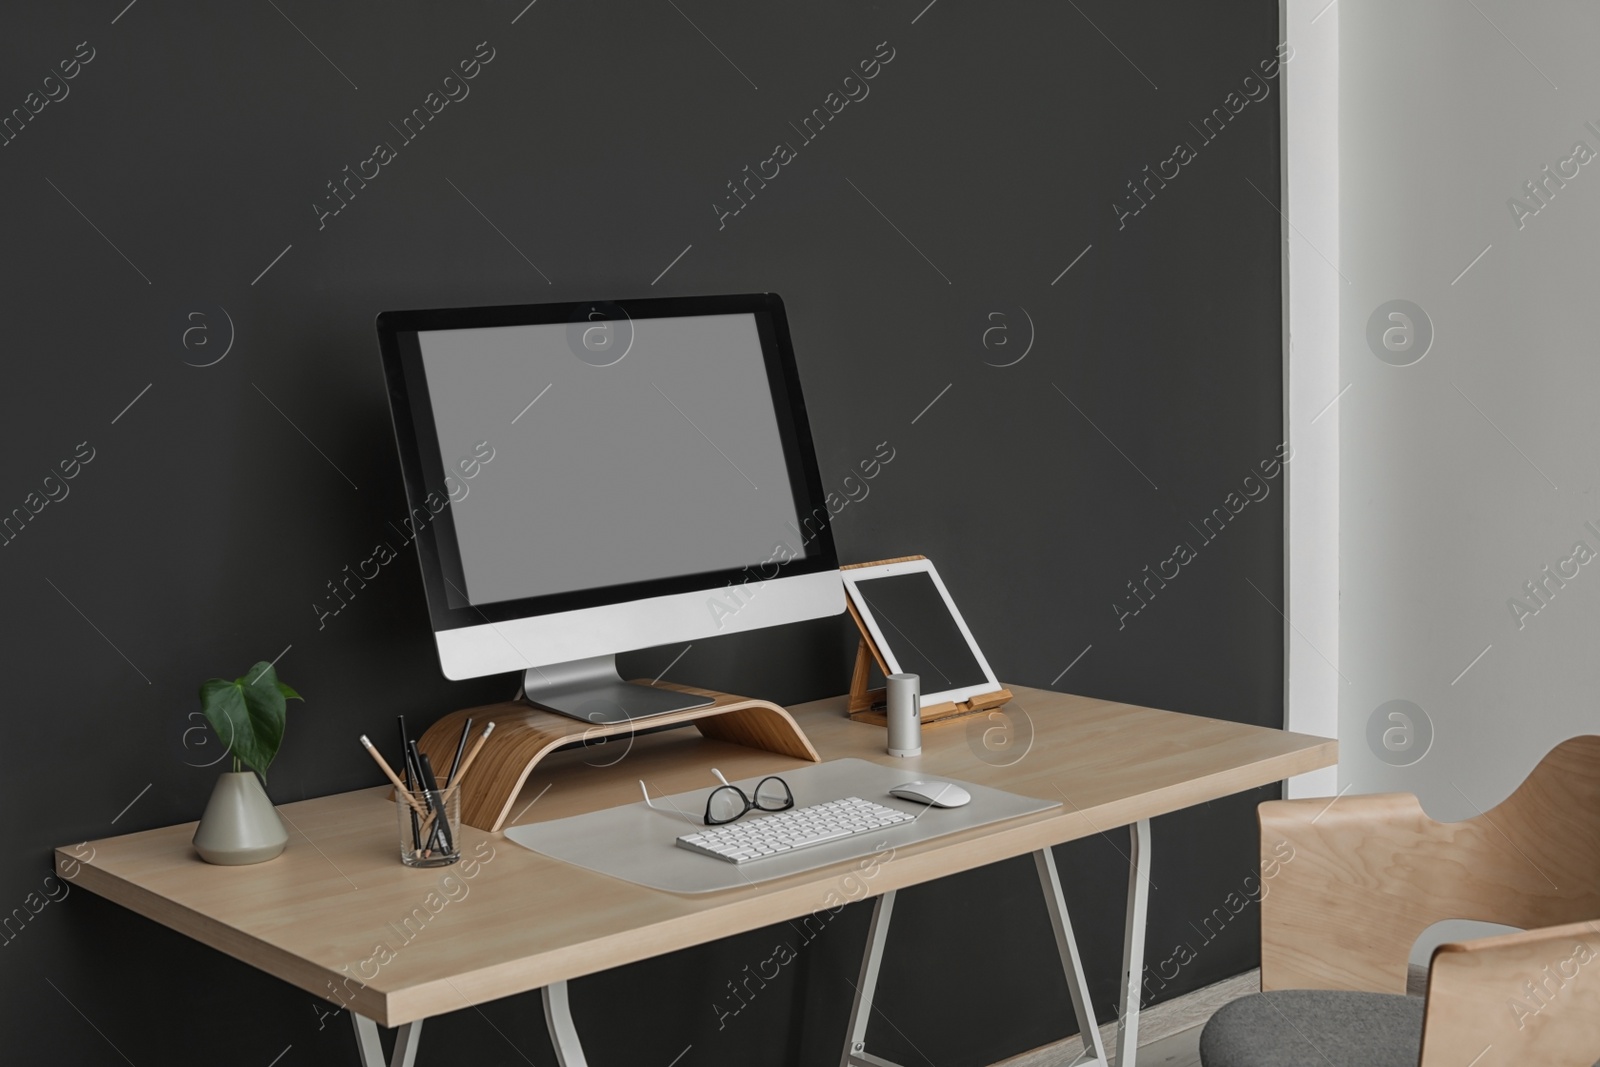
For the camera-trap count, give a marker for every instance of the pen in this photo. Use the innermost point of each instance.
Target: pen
(405, 759)
(435, 800)
(461, 747)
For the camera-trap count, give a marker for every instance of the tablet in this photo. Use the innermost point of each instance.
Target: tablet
(918, 630)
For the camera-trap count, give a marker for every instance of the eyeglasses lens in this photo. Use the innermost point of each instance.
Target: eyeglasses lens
(773, 795)
(725, 805)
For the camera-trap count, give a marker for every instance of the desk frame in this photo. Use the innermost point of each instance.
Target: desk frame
(557, 1019)
(855, 1047)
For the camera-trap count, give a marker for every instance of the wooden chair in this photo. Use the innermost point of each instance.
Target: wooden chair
(1349, 885)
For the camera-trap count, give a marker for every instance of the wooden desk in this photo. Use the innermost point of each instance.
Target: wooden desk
(314, 916)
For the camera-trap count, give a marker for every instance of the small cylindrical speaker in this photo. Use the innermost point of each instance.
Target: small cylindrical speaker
(905, 714)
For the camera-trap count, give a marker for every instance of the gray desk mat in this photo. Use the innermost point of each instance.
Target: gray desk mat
(638, 844)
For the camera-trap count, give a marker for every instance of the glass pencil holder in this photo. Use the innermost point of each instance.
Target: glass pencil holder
(425, 839)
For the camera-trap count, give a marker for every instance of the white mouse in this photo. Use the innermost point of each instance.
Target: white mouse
(938, 794)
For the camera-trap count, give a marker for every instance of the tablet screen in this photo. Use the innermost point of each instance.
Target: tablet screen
(917, 625)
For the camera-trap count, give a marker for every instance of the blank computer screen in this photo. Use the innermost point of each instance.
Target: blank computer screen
(918, 626)
(666, 462)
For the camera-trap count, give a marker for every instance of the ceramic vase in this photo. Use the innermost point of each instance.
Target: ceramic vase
(240, 824)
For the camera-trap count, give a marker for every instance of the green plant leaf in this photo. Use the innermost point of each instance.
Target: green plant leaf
(251, 711)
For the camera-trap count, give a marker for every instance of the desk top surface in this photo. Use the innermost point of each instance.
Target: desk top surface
(339, 916)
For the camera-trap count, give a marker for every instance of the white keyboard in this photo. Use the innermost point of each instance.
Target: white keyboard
(785, 831)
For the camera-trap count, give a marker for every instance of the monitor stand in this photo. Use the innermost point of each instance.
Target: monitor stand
(591, 690)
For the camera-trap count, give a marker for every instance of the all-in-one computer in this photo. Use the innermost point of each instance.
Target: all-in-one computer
(586, 479)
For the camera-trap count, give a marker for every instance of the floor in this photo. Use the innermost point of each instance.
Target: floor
(1169, 1033)
(1179, 1050)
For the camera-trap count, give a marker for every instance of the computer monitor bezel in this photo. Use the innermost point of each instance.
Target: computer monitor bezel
(423, 468)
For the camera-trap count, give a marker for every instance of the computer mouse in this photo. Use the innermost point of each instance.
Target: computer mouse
(939, 794)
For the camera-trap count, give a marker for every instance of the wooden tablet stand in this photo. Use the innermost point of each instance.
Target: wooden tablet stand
(867, 705)
(524, 734)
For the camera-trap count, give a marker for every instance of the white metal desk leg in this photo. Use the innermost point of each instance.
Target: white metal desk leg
(1071, 961)
(371, 1048)
(558, 1020)
(855, 1042)
(1133, 943)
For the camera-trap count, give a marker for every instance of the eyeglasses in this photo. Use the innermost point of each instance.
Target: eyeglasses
(728, 803)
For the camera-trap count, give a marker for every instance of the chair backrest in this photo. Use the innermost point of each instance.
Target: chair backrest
(1527, 998)
(1369, 874)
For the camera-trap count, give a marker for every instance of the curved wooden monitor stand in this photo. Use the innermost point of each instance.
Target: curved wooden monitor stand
(524, 735)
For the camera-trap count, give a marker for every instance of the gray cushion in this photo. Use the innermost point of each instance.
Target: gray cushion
(1315, 1028)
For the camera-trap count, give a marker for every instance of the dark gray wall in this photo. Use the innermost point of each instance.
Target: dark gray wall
(188, 154)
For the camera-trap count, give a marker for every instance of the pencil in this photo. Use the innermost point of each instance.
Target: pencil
(383, 764)
(466, 764)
